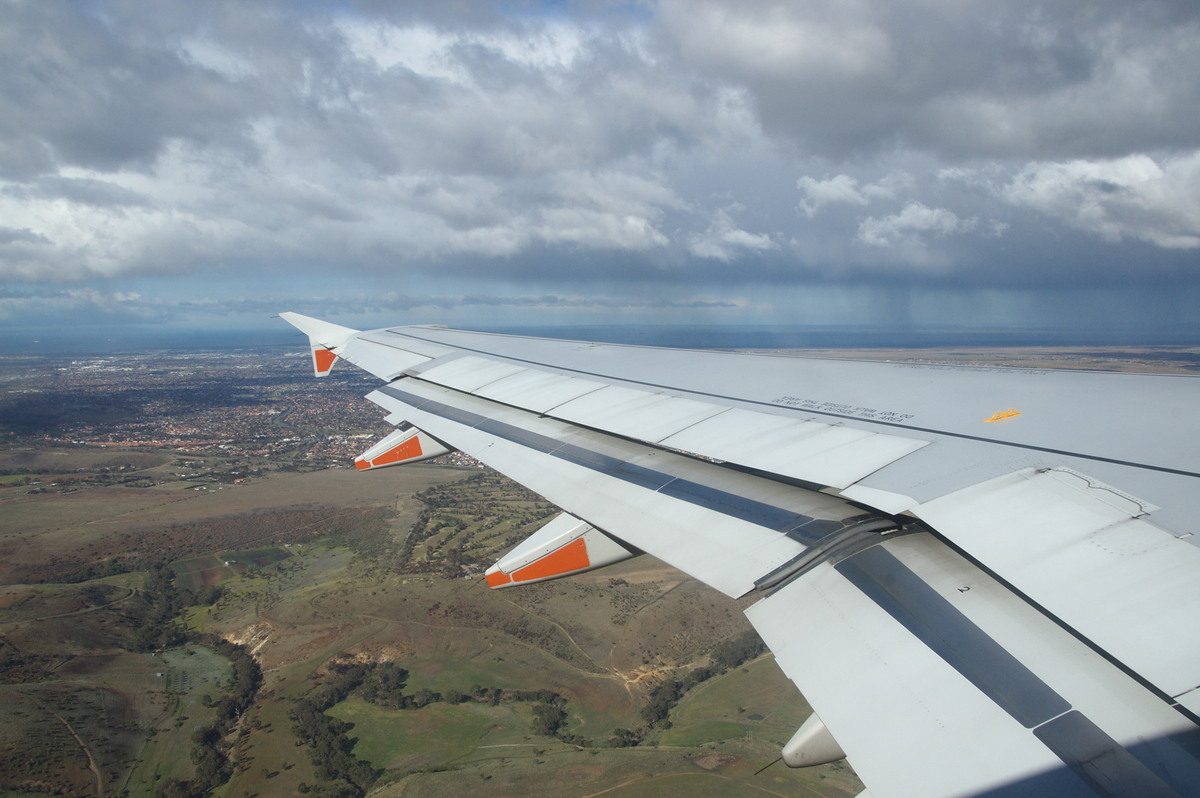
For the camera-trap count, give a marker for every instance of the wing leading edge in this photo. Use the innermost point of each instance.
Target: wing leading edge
(974, 601)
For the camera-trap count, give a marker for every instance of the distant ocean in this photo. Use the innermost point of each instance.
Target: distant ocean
(92, 341)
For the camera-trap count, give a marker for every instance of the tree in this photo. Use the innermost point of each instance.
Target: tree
(547, 719)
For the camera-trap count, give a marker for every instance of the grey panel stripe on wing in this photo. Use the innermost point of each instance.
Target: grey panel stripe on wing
(1099, 760)
(796, 525)
(954, 637)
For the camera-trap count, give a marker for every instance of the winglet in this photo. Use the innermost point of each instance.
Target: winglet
(324, 338)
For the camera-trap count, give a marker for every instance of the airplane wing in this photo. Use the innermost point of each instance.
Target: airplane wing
(985, 581)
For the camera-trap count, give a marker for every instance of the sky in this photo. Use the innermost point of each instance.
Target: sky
(894, 163)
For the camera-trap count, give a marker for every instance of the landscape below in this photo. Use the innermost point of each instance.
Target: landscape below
(199, 595)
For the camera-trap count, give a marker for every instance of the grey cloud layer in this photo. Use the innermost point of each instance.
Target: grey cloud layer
(706, 143)
(966, 79)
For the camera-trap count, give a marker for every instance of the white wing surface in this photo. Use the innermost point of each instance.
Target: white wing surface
(984, 580)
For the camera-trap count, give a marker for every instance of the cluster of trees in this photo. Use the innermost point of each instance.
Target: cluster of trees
(741, 649)
(329, 745)
(17, 666)
(155, 612)
(383, 684)
(421, 530)
(244, 680)
(205, 596)
(97, 595)
(67, 484)
(549, 717)
(666, 694)
(476, 505)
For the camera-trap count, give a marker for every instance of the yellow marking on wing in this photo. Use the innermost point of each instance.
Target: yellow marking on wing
(1000, 415)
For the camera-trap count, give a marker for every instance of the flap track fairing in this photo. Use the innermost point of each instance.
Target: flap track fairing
(812, 744)
(562, 547)
(405, 445)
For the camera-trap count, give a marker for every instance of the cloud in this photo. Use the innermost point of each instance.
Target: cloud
(9, 235)
(910, 226)
(400, 301)
(839, 41)
(106, 92)
(844, 190)
(968, 79)
(380, 140)
(48, 308)
(724, 241)
(82, 190)
(668, 149)
(1132, 197)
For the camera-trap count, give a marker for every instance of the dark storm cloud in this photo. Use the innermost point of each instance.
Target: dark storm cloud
(966, 79)
(79, 89)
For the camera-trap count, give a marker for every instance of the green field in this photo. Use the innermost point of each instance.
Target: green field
(755, 700)
(258, 557)
(720, 770)
(437, 735)
(213, 569)
(186, 676)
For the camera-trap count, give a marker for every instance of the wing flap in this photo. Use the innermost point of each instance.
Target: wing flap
(968, 689)
(1082, 550)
